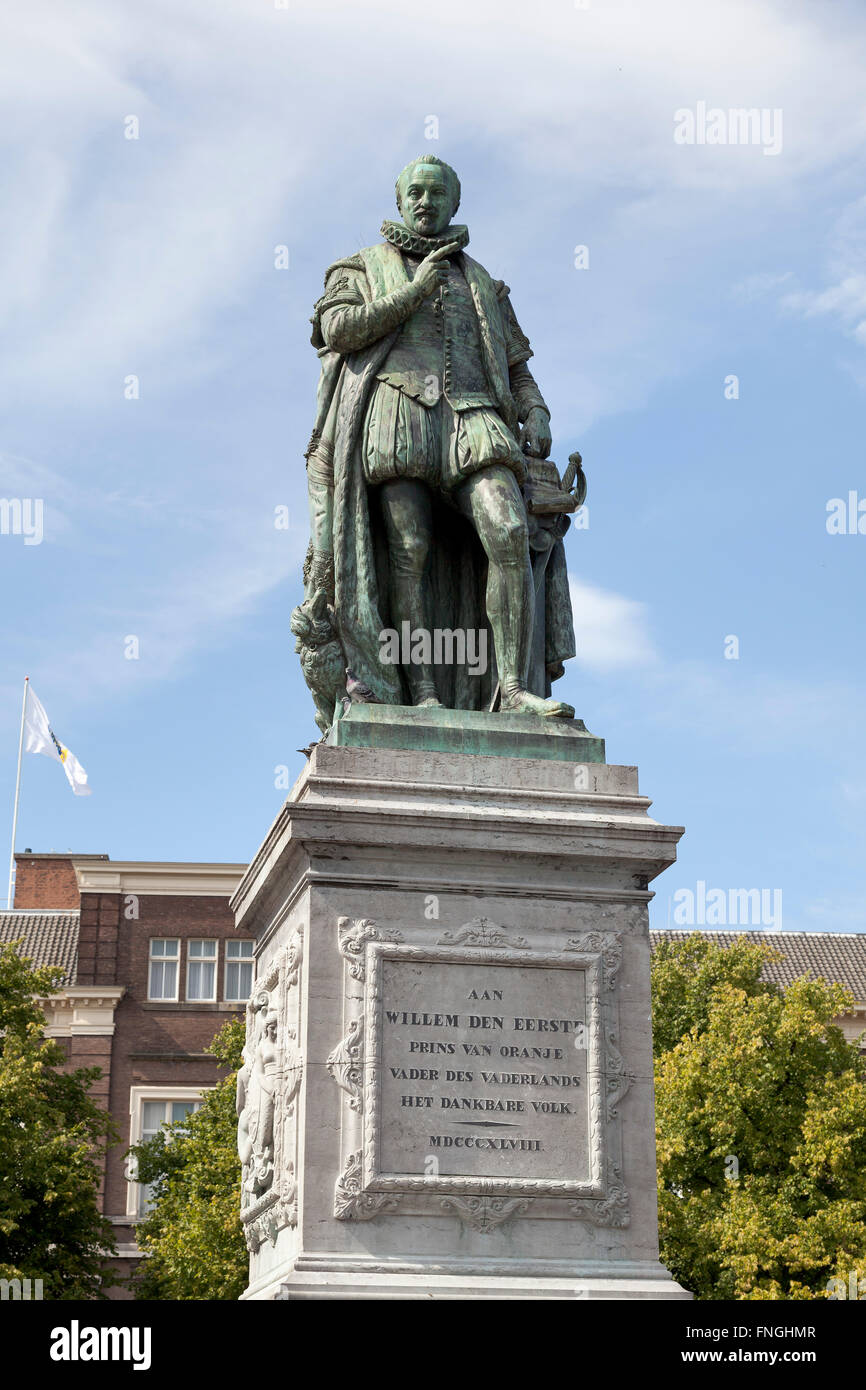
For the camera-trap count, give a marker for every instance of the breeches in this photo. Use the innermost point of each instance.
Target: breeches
(403, 439)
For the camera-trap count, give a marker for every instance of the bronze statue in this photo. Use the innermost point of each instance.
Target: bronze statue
(431, 511)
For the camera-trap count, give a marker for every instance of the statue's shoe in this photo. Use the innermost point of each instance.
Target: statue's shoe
(524, 702)
(431, 702)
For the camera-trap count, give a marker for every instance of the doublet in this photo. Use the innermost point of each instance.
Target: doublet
(433, 413)
(439, 350)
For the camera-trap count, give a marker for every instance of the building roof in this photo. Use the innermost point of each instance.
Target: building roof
(54, 854)
(158, 878)
(48, 938)
(837, 957)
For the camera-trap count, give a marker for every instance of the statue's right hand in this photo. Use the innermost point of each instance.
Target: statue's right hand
(433, 270)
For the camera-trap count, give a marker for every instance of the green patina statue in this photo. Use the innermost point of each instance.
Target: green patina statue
(436, 522)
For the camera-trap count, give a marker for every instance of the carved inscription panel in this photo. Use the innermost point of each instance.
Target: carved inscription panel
(483, 1070)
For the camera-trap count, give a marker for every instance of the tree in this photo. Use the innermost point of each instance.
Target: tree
(53, 1140)
(761, 1128)
(685, 974)
(192, 1235)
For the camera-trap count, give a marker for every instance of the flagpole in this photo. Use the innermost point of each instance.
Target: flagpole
(17, 792)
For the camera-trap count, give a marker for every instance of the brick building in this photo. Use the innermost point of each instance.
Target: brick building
(154, 967)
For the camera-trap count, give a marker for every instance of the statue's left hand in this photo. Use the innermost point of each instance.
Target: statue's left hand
(535, 439)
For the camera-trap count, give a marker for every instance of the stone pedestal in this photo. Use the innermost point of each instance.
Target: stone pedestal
(448, 1088)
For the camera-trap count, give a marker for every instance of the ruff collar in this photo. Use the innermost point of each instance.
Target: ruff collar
(418, 245)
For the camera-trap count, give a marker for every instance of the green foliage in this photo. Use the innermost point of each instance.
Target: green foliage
(192, 1234)
(761, 1128)
(686, 972)
(53, 1139)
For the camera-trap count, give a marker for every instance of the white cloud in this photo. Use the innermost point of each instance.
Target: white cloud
(266, 126)
(844, 912)
(611, 631)
(762, 283)
(174, 622)
(844, 299)
(758, 713)
(178, 579)
(122, 252)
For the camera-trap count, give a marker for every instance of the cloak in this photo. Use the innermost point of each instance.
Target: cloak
(347, 522)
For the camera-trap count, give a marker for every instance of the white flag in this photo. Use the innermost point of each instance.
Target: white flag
(40, 738)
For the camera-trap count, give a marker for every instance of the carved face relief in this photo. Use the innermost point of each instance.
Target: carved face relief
(268, 1084)
(255, 1098)
(426, 200)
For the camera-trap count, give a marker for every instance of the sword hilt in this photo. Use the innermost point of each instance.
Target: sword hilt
(574, 462)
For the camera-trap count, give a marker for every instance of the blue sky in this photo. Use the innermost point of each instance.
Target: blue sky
(260, 127)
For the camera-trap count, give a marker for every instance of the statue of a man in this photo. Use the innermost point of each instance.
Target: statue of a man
(418, 474)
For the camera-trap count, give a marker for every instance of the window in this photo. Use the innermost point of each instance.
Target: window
(164, 958)
(201, 966)
(151, 1107)
(239, 970)
(154, 1114)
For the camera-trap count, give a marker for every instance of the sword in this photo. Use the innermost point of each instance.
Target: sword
(573, 476)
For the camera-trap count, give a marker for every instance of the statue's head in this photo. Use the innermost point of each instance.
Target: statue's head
(428, 195)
